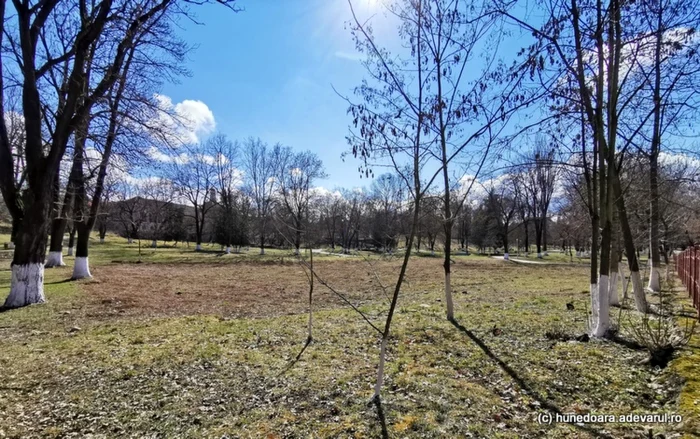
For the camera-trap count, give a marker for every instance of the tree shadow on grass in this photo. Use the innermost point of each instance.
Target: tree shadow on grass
(296, 359)
(522, 383)
(59, 281)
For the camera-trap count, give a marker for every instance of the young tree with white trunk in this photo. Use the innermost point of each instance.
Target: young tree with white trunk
(399, 121)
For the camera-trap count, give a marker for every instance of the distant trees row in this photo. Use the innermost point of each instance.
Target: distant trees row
(533, 206)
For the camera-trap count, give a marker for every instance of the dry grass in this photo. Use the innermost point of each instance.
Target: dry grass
(149, 362)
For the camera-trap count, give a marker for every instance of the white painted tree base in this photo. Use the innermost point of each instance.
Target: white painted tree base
(81, 269)
(11, 245)
(102, 240)
(262, 251)
(54, 259)
(593, 318)
(198, 248)
(654, 280)
(26, 286)
(154, 244)
(448, 296)
(506, 256)
(601, 307)
(70, 251)
(228, 250)
(640, 299)
(539, 255)
(380, 369)
(129, 241)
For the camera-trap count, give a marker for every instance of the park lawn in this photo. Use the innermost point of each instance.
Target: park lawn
(202, 345)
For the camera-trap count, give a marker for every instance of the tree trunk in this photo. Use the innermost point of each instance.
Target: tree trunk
(27, 282)
(394, 300)
(81, 269)
(544, 235)
(655, 260)
(538, 237)
(630, 251)
(527, 237)
(614, 261)
(71, 240)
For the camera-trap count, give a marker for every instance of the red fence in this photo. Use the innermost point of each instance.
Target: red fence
(688, 268)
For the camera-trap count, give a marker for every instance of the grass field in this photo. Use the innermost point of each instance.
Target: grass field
(204, 345)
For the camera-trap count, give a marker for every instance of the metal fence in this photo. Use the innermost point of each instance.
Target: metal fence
(688, 269)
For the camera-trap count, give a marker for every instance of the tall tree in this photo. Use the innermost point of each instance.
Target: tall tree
(260, 165)
(296, 175)
(194, 177)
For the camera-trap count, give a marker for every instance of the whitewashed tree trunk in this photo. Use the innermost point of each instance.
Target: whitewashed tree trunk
(102, 240)
(539, 255)
(654, 281)
(638, 291)
(81, 269)
(11, 245)
(601, 307)
(593, 319)
(614, 296)
(262, 251)
(26, 286)
(506, 256)
(448, 296)
(380, 369)
(129, 241)
(154, 243)
(54, 259)
(228, 250)
(70, 251)
(198, 247)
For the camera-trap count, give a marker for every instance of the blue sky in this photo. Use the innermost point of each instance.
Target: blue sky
(268, 72)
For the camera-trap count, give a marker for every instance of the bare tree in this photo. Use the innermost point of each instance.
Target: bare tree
(539, 178)
(260, 165)
(296, 174)
(195, 179)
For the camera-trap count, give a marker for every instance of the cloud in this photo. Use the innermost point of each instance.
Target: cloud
(321, 192)
(184, 122)
(160, 156)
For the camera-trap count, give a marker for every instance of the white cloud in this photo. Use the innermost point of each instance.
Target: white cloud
(185, 122)
(160, 156)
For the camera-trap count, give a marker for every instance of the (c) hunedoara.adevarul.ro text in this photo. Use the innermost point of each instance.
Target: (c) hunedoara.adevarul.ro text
(596, 418)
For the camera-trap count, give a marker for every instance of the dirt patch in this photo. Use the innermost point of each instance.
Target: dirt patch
(257, 289)
(228, 290)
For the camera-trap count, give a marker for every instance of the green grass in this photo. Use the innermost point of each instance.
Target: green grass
(216, 376)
